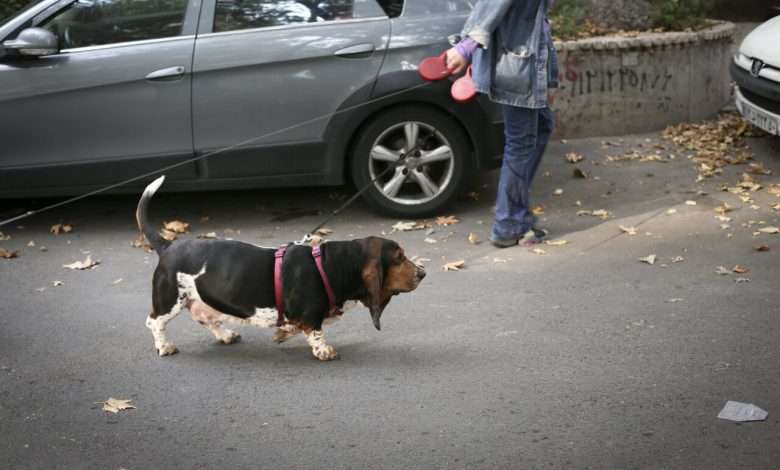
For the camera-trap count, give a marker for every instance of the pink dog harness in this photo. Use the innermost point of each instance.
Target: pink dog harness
(279, 288)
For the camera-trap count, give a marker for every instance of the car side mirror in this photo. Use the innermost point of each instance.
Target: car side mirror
(36, 42)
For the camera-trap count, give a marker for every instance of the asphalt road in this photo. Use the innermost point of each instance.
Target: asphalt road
(582, 357)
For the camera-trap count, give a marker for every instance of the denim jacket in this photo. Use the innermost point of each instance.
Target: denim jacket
(517, 62)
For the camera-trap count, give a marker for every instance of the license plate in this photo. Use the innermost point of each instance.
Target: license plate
(759, 118)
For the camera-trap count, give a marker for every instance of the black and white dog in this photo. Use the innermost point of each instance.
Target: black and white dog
(221, 281)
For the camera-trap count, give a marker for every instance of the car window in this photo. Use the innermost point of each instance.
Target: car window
(393, 8)
(233, 15)
(12, 8)
(97, 22)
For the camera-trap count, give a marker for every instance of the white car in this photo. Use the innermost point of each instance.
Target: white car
(756, 69)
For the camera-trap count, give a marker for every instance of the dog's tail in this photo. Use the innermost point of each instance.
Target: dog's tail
(142, 217)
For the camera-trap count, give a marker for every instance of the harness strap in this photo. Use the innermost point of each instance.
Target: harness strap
(278, 288)
(317, 253)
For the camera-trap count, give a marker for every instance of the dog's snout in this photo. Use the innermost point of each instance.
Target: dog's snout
(420, 273)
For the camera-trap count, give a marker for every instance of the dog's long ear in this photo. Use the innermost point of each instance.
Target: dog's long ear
(373, 278)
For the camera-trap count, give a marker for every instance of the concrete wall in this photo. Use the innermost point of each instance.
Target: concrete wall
(614, 86)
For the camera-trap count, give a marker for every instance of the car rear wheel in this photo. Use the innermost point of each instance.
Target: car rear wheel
(418, 158)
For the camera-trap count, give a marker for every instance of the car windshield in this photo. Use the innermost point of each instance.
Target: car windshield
(11, 8)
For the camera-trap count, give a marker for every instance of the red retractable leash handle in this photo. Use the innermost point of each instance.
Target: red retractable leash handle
(464, 90)
(435, 68)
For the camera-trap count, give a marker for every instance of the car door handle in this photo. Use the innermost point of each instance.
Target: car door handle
(356, 50)
(170, 73)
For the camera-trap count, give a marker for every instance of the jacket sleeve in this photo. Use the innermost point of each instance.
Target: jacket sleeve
(484, 19)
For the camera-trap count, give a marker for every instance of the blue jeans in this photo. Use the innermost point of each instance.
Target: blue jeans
(526, 133)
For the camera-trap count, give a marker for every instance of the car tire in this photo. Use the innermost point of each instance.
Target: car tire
(427, 180)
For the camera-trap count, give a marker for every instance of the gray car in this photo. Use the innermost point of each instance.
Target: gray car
(289, 92)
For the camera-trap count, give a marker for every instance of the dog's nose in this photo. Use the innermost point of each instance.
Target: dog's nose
(420, 273)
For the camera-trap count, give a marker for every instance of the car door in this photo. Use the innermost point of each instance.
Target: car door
(112, 104)
(264, 65)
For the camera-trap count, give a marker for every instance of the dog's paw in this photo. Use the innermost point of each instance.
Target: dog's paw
(167, 350)
(230, 338)
(325, 353)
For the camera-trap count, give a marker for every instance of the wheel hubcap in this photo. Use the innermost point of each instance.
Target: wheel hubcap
(427, 163)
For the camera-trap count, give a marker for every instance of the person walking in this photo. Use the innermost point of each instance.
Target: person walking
(510, 47)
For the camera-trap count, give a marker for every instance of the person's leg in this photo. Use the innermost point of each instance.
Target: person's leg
(513, 214)
(546, 127)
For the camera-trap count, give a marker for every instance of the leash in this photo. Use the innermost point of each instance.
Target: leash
(308, 237)
(31, 213)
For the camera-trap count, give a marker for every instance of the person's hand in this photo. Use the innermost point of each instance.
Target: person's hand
(455, 61)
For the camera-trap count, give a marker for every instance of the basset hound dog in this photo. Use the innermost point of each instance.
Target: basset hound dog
(223, 281)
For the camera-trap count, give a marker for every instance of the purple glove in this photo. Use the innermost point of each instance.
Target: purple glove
(466, 48)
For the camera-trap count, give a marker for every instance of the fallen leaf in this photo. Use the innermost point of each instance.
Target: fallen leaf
(723, 209)
(601, 213)
(430, 240)
(7, 254)
(579, 174)
(690, 203)
(61, 228)
(31, 244)
(473, 238)
(406, 226)
(761, 248)
(723, 218)
(558, 242)
(740, 269)
(176, 226)
(82, 265)
(4, 237)
(678, 259)
(573, 157)
(323, 231)
(57, 283)
(770, 230)
(674, 301)
(538, 251)
(538, 210)
(115, 405)
(628, 230)
(558, 192)
(449, 220)
(117, 281)
(454, 265)
(649, 259)
(209, 235)
(671, 212)
(169, 235)
(741, 280)
(499, 260)
(722, 271)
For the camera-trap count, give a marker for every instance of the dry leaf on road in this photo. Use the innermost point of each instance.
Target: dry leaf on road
(538, 210)
(722, 271)
(761, 248)
(649, 259)
(115, 405)
(176, 226)
(473, 238)
(690, 203)
(558, 242)
(628, 230)
(577, 173)
(770, 230)
(448, 220)
(538, 251)
(4, 237)
(558, 192)
(210, 235)
(82, 265)
(57, 283)
(741, 280)
(740, 269)
(407, 226)
(61, 228)
(573, 157)
(454, 265)
(7, 254)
